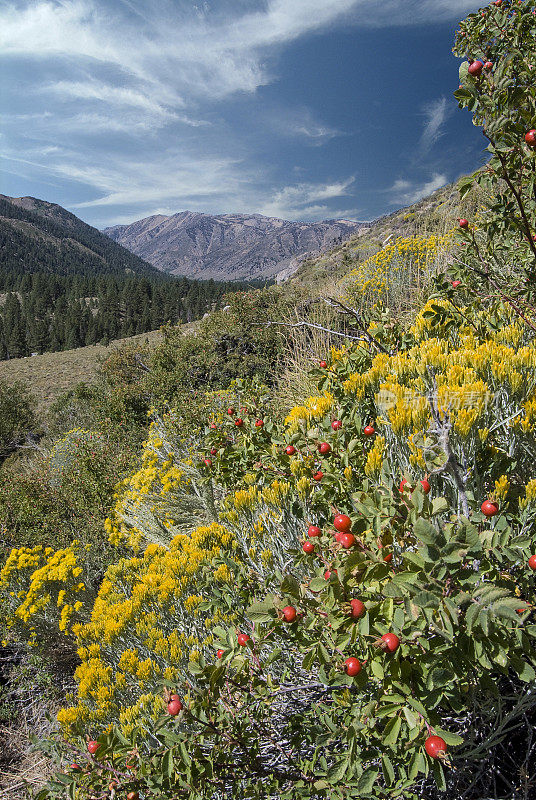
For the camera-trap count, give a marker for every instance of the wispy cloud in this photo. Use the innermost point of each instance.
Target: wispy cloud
(404, 192)
(304, 200)
(300, 123)
(436, 114)
(138, 120)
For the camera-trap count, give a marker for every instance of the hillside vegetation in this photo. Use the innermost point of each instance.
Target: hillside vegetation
(293, 554)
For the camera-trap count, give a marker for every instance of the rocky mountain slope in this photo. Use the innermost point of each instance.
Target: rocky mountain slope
(228, 246)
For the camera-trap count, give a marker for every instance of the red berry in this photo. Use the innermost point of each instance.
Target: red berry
(463, 223)
(318, 475)
(455, 284)
(532, 562)
(336, 424)
(392, 642)
(75, 768)
(324, 448)
(174, 707)
(230, 411)
(489, 508)
(530, 137)
(475, 68)
(425, 486)
(342, 523)
(239, 422)
(289, 613)
(498, 3)
(338, 536)
(133, 796)
(259, 423)
(290, 450)
(207, 462)
(313, 531)
(328, 573)
(92, 746)
(308, 547)
(213, 426)
(352, 666)
(347, 540)
(213, 451)
(435, 746)
(368, 430)
(323, 364)
(243, 639)
(488, 65)
(357, 609)
(219, 653)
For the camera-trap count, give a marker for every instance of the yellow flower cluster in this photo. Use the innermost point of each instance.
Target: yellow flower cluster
(40, 586)
(463, 380)
(530, 495)
(408, 261)
(315, 409)
(375, 458)
(145, 622)
(150, 486)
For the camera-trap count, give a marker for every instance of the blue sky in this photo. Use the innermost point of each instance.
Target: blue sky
(301, 109)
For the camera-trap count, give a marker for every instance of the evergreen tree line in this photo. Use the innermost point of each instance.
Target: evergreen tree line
(44, 312)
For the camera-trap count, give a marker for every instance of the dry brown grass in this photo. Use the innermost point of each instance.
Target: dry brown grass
(51, 374)
(30, 700)
(306, 346)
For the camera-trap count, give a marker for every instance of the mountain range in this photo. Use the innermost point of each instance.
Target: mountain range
(228, 246)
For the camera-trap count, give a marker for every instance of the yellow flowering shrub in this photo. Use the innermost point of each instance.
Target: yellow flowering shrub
(145, 623)
(42, 590)
(398, 274)
(164, 496)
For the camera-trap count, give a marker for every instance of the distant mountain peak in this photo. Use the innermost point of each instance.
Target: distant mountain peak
(228, 246)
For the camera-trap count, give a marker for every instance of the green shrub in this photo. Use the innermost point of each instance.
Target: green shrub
(17, 416)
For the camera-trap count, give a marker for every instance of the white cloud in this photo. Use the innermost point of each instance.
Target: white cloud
(436, 114)
(301, 201)
(178, 52)
(404, 192)
(300, 123)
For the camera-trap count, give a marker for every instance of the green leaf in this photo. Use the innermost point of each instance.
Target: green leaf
(439, 505)
(524, 670)
(391, 731)
(439, 776)
(317, 584)
(388, 771)
(452, 739)
(336, 772)
(425, 531)
(367, 780)
(417, 764)
(426, 600)
(290, 586)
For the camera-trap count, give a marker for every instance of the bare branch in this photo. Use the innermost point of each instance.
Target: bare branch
(304, 324)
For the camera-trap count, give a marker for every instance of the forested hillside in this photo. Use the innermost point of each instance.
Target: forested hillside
(63, 284)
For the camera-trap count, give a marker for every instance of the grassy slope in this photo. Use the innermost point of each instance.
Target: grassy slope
(51, 374)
